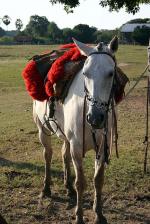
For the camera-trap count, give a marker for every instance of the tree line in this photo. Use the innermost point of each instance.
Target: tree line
(41, 31)
(114, 5)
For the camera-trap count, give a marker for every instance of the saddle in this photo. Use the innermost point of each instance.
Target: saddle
(50, 75)
(37, 70)
(45, 61)
(71, 68)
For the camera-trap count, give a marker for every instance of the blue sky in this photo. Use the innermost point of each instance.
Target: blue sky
(89, 12)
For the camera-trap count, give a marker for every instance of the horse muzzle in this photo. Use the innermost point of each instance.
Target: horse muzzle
(96, 118)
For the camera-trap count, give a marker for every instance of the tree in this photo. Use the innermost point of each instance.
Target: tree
(6, 20)
(37, 26)
(146, 20)
(141, 35)
(84, 33)
(67, 35)
(19, 24)
(54, 33)
(132, 6)
(2, 32)
(68, 4)
(105, 35)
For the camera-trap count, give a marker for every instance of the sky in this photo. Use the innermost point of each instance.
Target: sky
(89, 12)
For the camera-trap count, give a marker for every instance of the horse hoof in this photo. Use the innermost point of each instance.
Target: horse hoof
(45, 193)
(100, 220)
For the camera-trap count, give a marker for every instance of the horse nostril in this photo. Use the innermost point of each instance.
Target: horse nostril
(88, 117)
(96, 120)
(102, 117)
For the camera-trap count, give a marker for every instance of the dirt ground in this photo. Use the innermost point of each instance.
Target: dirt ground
(126, 191)
(124, 203)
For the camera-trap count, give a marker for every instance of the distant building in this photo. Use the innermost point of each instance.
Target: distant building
(22, 39)
(127, 30)
(130, 27)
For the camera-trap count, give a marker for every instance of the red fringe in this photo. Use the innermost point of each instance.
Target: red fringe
(57, 70)
(33, 82)
(65, 46)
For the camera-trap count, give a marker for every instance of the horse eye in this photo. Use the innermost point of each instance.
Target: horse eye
(110, 74)
(85, 74)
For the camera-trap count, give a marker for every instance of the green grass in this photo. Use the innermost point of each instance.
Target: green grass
(126, 190)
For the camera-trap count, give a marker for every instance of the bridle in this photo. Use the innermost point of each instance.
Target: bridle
(105, 106)
(97, 102)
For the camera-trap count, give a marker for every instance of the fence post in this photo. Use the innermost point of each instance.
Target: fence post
(147, 112)
(148, 50)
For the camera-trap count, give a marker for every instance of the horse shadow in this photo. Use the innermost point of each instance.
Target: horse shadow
(60, 198)
(126, 215)
(29, 166)
(17, 169)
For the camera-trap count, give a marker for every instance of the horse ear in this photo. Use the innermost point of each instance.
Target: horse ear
(113, 45)
(83, 48)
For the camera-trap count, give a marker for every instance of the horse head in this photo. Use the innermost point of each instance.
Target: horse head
(99, 72)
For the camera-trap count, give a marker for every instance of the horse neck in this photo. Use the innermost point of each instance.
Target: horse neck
(77, 87)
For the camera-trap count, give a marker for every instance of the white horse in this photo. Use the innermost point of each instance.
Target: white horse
(95, 80)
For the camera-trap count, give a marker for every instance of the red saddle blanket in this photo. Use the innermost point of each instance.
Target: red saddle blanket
(37, 87)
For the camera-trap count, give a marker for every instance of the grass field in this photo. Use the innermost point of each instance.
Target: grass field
(126, 191)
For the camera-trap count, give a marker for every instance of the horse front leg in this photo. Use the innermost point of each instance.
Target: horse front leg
(66, 157)
(47, 154)
(98, 185)
(76, 154)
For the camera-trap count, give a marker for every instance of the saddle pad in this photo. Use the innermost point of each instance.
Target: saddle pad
(43, 71)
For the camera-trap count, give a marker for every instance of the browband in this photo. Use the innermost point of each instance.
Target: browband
(101, 52)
